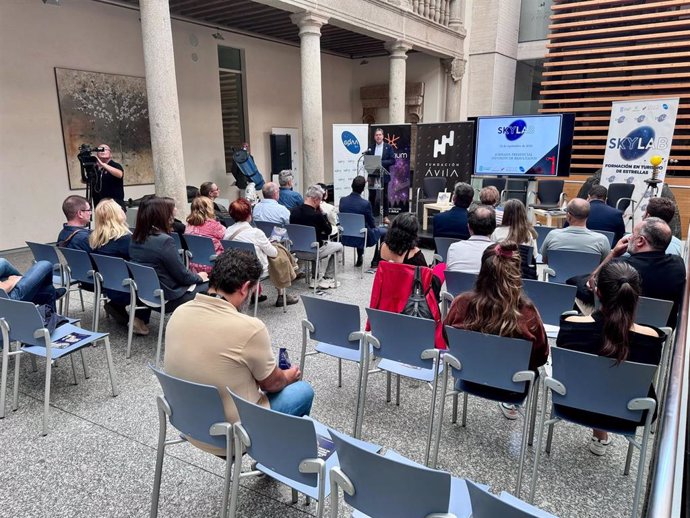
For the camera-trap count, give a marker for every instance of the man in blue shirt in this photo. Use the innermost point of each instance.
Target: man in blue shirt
(453, 222)
(355, 204)
(75, 233)
(288, 198)
(268, 209)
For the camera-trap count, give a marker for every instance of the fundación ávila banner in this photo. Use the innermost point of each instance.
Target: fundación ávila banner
(399, 137)
(349, 143)
(444, 149)
(638, 130)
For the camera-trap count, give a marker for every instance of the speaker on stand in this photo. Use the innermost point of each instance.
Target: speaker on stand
(281, 153)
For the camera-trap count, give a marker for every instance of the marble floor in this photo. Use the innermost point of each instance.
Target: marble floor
(98, 459)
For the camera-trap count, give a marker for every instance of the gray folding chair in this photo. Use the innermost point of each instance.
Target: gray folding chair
(456, 283)
(486, 505)
(609, 235)
(200, 250)
(195, 410)
(285, 448)
(442, 246)
(597, 385)
(266, 227)
(542, 232)
(404, 346)
(79, 269)
(22, 323)
(304, 245)
(551, 300)
(564, 264)
(490, 367)
(45, 252)
(550, 194)
(180, 245)
(391, 485)
(336, 328)
(353, 227)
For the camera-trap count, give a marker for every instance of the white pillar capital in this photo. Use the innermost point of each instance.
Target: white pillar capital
(309, 22)
(455, 68)
(398, 49)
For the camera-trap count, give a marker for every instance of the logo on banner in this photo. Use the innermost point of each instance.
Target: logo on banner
(516, 130)
(350, 142)
(637, 143)
(440, 147)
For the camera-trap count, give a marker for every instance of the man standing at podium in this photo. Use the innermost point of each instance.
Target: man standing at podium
(385, 151)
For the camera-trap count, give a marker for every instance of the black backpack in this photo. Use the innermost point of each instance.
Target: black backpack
(417, 305)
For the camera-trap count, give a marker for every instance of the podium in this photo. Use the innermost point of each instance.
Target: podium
(376, 181)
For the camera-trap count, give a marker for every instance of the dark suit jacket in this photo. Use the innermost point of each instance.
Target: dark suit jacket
(604, 217)
(310, 217)
(355, 204)
(160, 253)
(387, 157)
(452, 223)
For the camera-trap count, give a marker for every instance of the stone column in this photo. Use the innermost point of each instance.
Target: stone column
(164, 112)
(312, 113)
(454, 18)
(455, 70)
(396, 83)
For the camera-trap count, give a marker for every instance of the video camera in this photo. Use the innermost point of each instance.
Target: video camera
(88, 162)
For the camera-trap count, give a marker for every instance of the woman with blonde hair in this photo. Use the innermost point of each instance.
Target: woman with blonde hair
(497, 306)
(202, 222)
(111, 236)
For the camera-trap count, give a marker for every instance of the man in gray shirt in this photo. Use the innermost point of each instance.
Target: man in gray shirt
(466, 256)
(576, 237)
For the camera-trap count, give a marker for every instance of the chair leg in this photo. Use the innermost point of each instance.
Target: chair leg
(15, 398)
(87, 372)
(549, 439)
(161, 325)
(3, 377)
(160, 454)
(130, 325)
(464, 409)
(46, 397)
(533, 417)
(307, 500)
(74, 369)
(236, 474)
(256, 299)
(388, 387)
(455, 408)
(81, 298)
(34, 365)
(523, 442)
(628, 459)
(641, 466)
(537, 450)
(363, 399)
(284, 300)
(340, 372)
(397, 390)
(111, 371)
(295, 496)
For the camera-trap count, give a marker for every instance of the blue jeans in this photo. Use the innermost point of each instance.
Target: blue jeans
(295, 399)
(36, 285)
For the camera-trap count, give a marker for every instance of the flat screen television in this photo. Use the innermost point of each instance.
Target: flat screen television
(524, 145)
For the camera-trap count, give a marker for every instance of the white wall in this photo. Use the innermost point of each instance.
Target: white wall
(86, 35)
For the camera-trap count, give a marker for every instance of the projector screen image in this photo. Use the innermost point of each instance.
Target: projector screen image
(524, 145)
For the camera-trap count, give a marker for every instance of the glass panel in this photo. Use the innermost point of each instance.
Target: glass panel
(230, 58)
(232, 106)
(528, 76)
(534, 20)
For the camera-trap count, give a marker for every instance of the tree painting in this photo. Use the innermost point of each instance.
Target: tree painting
(111, 109)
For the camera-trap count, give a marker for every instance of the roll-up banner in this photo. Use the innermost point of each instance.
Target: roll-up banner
(399, 137)
(349, 142)
(638, 130)
(446, 150)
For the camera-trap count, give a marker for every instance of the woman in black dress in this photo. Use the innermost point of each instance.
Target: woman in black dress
(611, 331)
(400, 244)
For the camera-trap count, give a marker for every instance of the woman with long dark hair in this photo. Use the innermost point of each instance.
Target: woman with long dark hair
(611, 331)
(152, 246)
(497, 306)
(400, 244)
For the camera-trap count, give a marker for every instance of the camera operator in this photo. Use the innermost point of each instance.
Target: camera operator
(110, 180)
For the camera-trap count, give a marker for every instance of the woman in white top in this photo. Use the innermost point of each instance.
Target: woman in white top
(515, 226)
(242, 230)
(329, 210)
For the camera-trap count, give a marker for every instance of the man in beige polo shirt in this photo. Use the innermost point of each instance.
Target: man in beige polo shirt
(209, 340)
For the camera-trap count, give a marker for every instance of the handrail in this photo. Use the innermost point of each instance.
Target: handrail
(667, 466)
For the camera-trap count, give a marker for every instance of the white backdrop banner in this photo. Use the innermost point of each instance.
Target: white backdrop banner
(638, 130)
(349, 142)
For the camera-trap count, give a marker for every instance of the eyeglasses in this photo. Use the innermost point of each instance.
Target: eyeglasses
(86, 210)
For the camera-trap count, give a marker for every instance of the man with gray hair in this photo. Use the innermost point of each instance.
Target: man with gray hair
(287, 197)
(309, 214)
(268, 209)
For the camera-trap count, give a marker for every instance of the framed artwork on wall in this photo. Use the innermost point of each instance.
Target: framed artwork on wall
(112, 109)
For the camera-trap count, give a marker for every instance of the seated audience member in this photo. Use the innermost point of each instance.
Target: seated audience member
(329, 210)
(242, 230)
(497, 306)
(490, 196)
(202, 222)
(611, 331)
(310, 215)
(466, 256)
(516, 226)
(355, 204)
(211, 191)
(400, 243)
(453, 222)
(75, 233)
(152, 246)
(268, 209)
(662, 275)
(287, 197)
(602, 216)
(211, 341)
(36, 285)
(576, 236)
(665, 208)
(111, 236)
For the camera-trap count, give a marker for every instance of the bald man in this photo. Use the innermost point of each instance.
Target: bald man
(576, 237)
